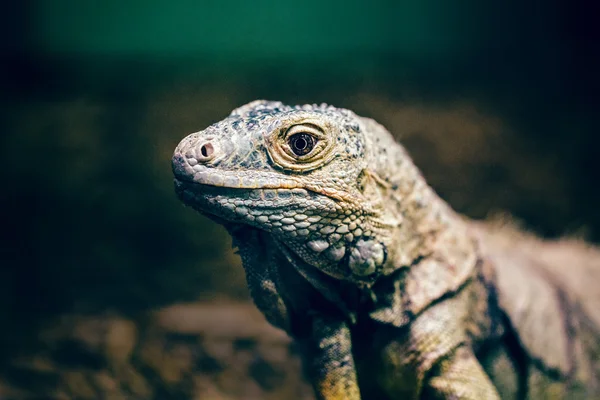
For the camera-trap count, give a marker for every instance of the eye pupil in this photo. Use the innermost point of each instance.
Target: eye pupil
(301, 143)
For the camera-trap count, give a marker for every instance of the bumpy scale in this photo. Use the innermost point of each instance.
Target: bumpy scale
(390, 293)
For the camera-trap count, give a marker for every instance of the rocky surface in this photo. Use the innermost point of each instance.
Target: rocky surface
(187, 351)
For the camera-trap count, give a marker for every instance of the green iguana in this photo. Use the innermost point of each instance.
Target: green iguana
(389, 292)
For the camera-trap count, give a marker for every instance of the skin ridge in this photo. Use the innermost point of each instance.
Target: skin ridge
(519, 356)
(363, 244)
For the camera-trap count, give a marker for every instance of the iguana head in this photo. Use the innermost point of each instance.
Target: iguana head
(314, 177)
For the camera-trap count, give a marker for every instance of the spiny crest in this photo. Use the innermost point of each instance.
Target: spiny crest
(262, 107)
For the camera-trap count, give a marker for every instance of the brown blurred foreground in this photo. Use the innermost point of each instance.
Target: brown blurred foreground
(209, 351)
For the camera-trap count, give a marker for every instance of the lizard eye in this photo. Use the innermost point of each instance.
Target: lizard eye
(302, 143)
(303, 146)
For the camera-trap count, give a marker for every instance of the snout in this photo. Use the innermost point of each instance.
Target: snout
(192, 152)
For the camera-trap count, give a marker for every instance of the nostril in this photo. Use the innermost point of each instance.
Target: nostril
(207, 151)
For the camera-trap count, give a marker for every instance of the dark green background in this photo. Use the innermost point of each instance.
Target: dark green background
(96, 94)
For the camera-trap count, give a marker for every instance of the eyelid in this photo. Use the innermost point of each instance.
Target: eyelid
(310, 129)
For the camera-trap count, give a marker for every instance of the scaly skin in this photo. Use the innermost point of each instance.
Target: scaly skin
(390, 293)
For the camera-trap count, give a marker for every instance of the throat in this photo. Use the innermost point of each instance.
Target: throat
(338, 293)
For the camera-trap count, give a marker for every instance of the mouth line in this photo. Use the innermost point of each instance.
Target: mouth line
(269, 198)
(294, 189)
(237, 180)
(240, 186)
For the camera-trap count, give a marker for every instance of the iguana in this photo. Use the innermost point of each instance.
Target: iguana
(389, 292)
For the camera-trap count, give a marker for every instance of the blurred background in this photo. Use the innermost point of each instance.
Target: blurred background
(110, 288)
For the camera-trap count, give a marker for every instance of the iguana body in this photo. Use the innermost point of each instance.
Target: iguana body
(389, 291)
